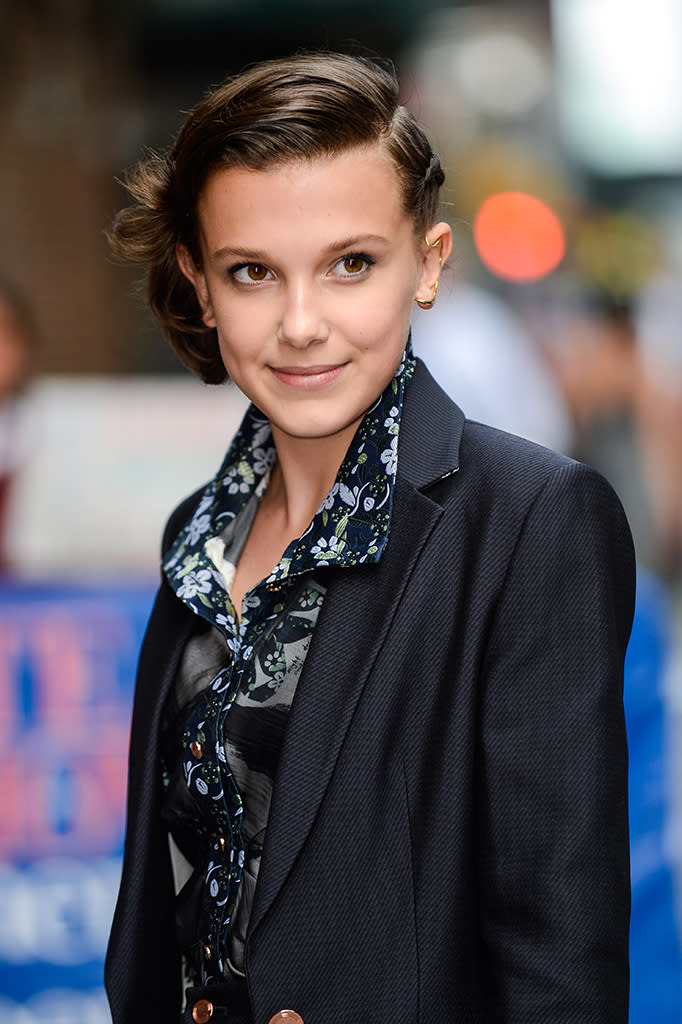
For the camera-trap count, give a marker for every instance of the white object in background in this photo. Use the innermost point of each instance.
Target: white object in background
(113, 457)
(619, 77)
(483, 358)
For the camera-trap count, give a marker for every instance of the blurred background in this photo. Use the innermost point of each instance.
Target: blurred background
(559, 123)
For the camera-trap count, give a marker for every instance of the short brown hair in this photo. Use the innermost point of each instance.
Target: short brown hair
(301, 107)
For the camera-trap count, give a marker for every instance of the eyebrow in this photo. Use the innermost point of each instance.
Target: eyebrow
(257, 255)
(354, 241)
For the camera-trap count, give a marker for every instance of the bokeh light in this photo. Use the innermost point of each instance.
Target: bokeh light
(616, 251)
(518, 236)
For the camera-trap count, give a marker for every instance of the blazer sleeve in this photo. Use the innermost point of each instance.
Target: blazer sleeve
(554, 862)
(143, 968)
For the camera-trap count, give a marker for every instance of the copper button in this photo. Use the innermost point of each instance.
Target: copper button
(197, 750)
(202, 1011)
(286, 1017)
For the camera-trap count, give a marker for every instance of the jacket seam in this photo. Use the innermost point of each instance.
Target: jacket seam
(414, 891)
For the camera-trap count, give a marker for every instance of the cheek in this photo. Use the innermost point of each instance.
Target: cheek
(383, 311)
(240, 328)
(391, 319)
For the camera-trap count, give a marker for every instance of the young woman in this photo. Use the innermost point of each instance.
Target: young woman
(377, 764)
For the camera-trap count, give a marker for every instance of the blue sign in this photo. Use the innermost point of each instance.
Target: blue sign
(67, 666)
(655, 959)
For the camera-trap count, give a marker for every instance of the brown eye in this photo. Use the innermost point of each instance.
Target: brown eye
(256, 271)
(250, 273)
(353, 264)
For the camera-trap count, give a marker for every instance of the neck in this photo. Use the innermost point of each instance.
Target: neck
(305, 470)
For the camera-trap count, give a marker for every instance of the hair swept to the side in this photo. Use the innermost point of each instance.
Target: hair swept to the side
(301, 107)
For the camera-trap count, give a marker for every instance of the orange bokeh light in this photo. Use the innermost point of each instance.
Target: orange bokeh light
(518, 236)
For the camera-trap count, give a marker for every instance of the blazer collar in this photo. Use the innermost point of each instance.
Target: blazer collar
(354, 622)
(430, 431)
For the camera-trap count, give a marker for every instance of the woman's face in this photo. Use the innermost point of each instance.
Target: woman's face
(309, 271)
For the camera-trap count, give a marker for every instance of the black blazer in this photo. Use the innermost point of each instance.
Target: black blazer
(448, 835)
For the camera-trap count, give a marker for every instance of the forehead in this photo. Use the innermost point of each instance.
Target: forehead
(353, 192)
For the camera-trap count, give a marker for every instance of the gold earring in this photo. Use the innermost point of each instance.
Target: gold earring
(427, 303)
(432, 245)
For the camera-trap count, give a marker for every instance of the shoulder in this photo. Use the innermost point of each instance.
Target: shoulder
(513, 483)
(509, 464)
(438, 441)
(495, 484)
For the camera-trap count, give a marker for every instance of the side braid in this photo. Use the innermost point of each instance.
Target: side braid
(434, 172)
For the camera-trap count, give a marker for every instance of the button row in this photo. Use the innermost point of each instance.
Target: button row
(202, 1011)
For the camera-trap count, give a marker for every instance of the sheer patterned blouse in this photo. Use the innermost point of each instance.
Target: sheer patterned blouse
(226, 717)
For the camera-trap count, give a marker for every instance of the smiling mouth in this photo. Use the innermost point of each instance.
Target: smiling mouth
(308, 376)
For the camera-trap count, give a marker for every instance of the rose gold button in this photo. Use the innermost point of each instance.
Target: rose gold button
(197, 750)
(202, 1011)
(286, 1017)
(208, 952)
(221, 844)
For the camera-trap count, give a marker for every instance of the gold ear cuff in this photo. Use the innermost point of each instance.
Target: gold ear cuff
(427, 303)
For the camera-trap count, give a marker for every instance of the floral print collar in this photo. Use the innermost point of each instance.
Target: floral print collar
(350, 527)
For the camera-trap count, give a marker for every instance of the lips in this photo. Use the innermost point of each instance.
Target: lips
(308, 376)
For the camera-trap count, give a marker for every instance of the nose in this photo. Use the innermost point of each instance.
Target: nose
(302, 322)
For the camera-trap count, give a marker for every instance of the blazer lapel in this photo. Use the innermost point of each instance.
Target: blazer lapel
(356, 615)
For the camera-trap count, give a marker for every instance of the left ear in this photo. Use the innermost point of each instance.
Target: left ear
(436, 247)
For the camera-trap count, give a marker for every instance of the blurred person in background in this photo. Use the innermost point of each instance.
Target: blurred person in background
(658, 320)
(617, 365)
(17, 343)
(615, 361)
(377, 761)
(593, 351)
(658, 323)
